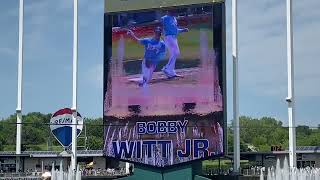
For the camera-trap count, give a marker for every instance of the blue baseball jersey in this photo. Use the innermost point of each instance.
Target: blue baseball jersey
(154, 50)
(170, 25)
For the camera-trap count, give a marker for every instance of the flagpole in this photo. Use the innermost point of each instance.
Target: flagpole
(20, 77)
(74, 88)
(290, 99)
(236, 128)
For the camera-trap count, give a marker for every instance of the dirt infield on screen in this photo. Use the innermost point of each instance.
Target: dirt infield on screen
(188, 45)
(198, 85)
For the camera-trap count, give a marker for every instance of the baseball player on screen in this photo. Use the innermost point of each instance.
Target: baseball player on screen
(171, 31)
(154, 51)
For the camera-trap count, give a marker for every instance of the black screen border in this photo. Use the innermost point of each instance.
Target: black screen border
(219, 8)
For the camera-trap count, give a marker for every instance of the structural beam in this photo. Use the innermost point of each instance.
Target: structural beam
(291, 99)
(20, 78)
(236, 126)
(74, 88)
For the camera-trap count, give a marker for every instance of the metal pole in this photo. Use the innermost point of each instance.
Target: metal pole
(74, 88)
(290, 99)
(236, 128)
(20, 76)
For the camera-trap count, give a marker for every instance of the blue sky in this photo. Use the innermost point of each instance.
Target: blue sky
(262, 55)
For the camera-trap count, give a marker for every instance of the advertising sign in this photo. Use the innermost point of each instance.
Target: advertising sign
(61, 126)
(164, 84)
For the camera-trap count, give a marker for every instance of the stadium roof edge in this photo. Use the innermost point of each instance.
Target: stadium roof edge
(47, 154)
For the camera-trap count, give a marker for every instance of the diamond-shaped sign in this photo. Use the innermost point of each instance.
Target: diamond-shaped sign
(61, 126)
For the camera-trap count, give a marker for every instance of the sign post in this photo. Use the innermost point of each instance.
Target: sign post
(291, 98)
(20, 77)
(236, 124)
(74, 87)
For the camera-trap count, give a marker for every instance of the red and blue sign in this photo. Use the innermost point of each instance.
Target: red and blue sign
(61, 126)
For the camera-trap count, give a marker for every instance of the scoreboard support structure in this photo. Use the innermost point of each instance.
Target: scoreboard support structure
(189, 171)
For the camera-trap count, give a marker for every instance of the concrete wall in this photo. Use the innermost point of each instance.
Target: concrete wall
(31, 163)
(36, 163)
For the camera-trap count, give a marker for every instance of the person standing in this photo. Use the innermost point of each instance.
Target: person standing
(154, 51)
(171, 31)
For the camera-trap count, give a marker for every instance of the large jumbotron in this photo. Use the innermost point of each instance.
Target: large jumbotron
(164, 82)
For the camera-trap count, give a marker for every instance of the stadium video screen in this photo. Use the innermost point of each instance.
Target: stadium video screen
(164, 84)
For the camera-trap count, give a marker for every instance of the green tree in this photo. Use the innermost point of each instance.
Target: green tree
(1, 143)
(95, 143)
(255, 133)
(36, 130)
(95, 133)
(262, 133)
(243, 145)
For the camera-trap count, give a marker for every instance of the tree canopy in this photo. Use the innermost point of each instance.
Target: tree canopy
(255, 134)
